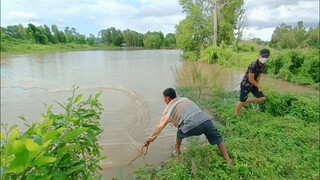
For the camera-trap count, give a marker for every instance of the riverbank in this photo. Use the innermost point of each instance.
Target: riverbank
(278, 138)
(15, 48)
(9, 48)
(275, 139)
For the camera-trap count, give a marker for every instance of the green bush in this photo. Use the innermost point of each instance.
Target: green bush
(62, 146)
(295, 66)
(211, 54)
(279, 143)
(191, 55)
(246, 46)
(222, 55)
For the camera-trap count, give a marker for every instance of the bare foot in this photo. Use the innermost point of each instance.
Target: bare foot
(231, 163)
(176, 153)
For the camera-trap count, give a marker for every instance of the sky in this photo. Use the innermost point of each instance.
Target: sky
(91, 16)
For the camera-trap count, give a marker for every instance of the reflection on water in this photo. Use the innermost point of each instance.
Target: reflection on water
(131, 83)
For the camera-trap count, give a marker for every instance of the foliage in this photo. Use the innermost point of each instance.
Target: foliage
(132, 38)
(111, 36)
(296, 66)
(62, 146)
(247, 46)
(191, 55)
(261, 144)
(153, 40)
(170, 41)
(195, 32)
(222, 55)
(285, 36)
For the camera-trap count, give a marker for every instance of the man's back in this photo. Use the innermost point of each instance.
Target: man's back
(187, 115)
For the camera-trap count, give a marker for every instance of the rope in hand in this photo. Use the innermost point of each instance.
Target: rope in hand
(140, 153)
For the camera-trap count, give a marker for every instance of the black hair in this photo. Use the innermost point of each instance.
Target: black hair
(170, 92)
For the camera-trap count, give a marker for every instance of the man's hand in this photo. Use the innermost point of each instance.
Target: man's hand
(260, 89)
(146, 143)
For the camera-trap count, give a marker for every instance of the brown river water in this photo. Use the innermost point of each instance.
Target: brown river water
(131, 83)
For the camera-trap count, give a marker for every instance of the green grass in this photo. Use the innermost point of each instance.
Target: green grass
(262, 145)
(23, 47)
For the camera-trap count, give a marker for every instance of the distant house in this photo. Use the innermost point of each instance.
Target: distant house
(123, 45)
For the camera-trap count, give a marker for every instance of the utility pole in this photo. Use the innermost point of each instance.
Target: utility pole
(216, 8)
(215, 23)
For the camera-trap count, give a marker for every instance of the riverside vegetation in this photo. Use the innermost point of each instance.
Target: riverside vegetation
(276, 139)
(62, 146)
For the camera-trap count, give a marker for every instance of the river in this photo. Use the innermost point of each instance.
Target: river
(131, 83)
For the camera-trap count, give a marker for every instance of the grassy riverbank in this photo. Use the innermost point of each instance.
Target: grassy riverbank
(277, 139)
(23, 47)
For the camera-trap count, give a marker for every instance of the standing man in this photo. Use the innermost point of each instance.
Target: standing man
(250, 82)
(190, 121)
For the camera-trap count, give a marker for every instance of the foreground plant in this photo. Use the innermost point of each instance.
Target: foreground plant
(62, 146)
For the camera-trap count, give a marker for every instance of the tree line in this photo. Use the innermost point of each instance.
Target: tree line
(44, 34)
(286, 36)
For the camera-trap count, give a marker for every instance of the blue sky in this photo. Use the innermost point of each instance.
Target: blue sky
(91, 16)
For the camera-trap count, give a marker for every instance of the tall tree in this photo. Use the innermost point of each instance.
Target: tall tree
(37, 34)
(48, 34)
(111, 36)
(201, 16)
(91, 39)
(286, 36)
(132, 38)
(170, 40)
(153, 40)
(194, 31)
(16, 31)
(312, 37)
(56, 33)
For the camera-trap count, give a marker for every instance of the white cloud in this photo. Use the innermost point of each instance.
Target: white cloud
(22, 15)
(264, 33)
(91, 16)
(264, 16)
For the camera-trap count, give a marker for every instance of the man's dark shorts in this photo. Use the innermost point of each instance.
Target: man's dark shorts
(244, 91)
(205, 128)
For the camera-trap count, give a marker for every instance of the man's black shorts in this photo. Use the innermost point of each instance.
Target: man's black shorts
(244, 91)
(205, 128)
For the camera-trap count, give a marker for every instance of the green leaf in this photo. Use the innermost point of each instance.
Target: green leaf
(13, 135)
(80, 167)
(37, 139)
(78, 98)
(47, 122)
(39, 132)
(60, 104)
(18, 147)
(66, 149)
(51, 135)
(44, 160)
(19, 163)
(2, 136)
(13, 127)
(30, 145)
(98, 94)
(75, 133)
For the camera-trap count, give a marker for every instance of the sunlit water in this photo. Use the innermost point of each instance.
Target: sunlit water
(131, 83)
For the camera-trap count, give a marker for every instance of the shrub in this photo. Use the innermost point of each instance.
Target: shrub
(63, 146)
(191, 55)
(295, 66)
